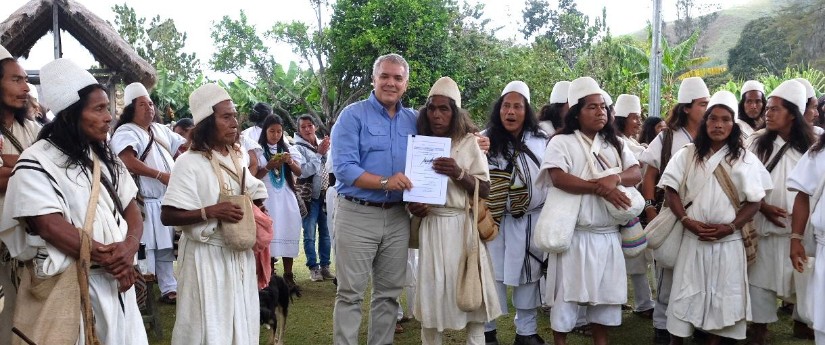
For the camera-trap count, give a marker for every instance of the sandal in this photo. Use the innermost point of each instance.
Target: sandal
(583, 330)
(169, 298)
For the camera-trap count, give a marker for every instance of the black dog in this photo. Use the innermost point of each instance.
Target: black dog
(275, 299)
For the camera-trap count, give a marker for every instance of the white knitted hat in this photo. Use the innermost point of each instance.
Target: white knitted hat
(517, 86)
(792, 91)
(446, 86)
(692, 88)
(583, 87)
(204, 98)
(726, 98)
(60, 80)
(809, 89)
(33, 91)
(559, 93)
(607, 99)
(132, 91)
(752, 85)
(4, 54)
(627, 104)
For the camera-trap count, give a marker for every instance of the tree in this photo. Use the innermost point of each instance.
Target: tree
(240, 50)
(567, 27)
(687, 21)
(419, 30)
(760, 49)
(314, 48)
(159, 42)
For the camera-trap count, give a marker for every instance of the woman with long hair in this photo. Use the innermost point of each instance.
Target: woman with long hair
(683, 126)
(443, 231)
(280, 163)
(516, 147)
(588, 130)
(209, 269)
(780, 145)
(703, 185)
(651, 128)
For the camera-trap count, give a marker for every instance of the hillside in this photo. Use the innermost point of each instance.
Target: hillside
(722, 34)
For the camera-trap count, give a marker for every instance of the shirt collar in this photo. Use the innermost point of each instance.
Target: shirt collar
(380, 107)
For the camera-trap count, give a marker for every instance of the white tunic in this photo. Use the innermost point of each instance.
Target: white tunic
(511, 263)
(217, 286)
(252, 133)
(635, 148)
(26, 136)
(41, 186)
(594, 267)
(653, 154)
(806, 177)
(772, 269)
(441, 241)
(283, 208)
(746, 129)
(710, 285)
(160, 157)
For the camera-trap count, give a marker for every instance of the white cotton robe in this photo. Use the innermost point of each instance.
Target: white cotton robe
(806, 177)
(710, 284)
(508, 251)
(593, 270)
(441, 239)
(772, 269)
(156, 236)
(41, 186)
(283, 208)
(217, 286)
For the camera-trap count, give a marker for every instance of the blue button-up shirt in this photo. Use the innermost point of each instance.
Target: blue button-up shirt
(366, 139)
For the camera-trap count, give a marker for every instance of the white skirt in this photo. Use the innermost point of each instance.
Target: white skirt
(440, 247)
(593, 270)
(710, 283)
(286, 221)
(772, 269)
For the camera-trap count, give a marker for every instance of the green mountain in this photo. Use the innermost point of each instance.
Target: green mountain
(723, 33)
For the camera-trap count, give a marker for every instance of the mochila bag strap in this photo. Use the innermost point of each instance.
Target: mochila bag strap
(749, 236)
(84, 260)
(12, 139)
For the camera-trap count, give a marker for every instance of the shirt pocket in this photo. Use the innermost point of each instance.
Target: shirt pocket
(378, 136)
(404, 130)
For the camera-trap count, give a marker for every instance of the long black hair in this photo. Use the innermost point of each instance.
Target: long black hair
(65, 134)
(703, 141)
(268, 121)
(678, 116)
(260, 111)
(571, 124)
(553, 112)
(801, 138)
(500, 139)
(19, 114)
(743, 116)
(649, 129)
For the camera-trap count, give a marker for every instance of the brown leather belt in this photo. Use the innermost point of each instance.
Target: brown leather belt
(384, 205)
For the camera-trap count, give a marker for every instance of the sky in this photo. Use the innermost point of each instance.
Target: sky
(623, 16)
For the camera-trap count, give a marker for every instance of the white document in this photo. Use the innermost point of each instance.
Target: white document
(429, 187)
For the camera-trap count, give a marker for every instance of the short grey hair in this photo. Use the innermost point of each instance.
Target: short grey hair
(394, 58)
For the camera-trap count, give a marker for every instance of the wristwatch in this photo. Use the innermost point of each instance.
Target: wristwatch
(383, 181)
(650, 203)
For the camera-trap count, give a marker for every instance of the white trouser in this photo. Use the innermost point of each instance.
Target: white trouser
(525, 301)
(475, 335)
(664, 282)
(161, 264)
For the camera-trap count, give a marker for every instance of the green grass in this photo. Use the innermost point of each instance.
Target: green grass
(310, 321)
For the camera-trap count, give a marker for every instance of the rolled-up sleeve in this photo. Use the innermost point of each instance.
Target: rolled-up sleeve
(347, 150)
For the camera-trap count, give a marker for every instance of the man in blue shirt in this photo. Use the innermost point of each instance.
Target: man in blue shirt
(371, 225)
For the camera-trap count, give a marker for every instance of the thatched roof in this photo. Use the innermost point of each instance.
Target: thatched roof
(29, 23)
